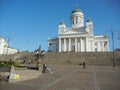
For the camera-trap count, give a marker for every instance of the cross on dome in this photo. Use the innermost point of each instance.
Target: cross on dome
(76, 9)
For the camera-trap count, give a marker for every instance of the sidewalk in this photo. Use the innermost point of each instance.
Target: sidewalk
(26, 75)
(69, 77)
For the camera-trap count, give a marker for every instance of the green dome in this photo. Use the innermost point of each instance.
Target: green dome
(89, 20)
(76, 10)
(62, 23)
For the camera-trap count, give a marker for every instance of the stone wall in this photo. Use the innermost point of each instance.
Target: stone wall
(6, 57)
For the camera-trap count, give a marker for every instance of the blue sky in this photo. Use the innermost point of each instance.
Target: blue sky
(29, 23)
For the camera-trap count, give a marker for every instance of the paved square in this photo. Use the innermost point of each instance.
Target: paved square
(71, 77)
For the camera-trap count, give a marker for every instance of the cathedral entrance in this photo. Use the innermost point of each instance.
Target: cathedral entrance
(73, 48)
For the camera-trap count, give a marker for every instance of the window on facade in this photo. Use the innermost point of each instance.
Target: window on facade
(76, 18)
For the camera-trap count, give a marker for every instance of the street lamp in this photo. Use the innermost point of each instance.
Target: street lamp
(40, 54)
(113, 48)
(112, 33)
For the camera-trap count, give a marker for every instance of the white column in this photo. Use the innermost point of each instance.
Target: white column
(59, 44)
(93, 46)
(107, 46)
(86, 48)
(83, 41)
(76, 45)
(103, 46)
(81, 45)
(64, 44)
(99, 46)
(69, 44)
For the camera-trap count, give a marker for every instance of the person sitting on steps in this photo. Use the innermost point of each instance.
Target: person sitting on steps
(44, 68)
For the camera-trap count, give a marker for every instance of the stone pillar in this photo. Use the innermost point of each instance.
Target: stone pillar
(90, 47)
(65, 44)
(99, 46)
(103, 46)
(100, 49)
(59, 44)
(39, 63)
(107, 46)
(69, 44)
(86, 48)
(76, 45)
(83, 41)
(81, 44)
(93, 46)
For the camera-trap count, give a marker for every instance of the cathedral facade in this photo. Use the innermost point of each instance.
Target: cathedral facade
(78, 37)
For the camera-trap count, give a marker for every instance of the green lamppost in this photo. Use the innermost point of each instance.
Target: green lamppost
(40, 55)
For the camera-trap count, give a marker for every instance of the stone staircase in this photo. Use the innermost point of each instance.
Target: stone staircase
(91, 58)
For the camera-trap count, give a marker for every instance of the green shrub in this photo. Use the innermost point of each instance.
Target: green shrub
(2, 64)
(10, 63)
(16, 63)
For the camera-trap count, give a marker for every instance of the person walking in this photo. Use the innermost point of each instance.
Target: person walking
(44, 68)
(84, 66)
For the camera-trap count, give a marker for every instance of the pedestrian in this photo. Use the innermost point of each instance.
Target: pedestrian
(44, 68)
(84, 66)
(49, 70)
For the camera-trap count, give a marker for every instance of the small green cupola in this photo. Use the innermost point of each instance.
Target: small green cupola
(89, 20)
(62, 23)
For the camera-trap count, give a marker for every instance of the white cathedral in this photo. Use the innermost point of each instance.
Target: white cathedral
(78, 37)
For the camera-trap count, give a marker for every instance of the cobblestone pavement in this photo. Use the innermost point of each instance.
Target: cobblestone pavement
(71, 77)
